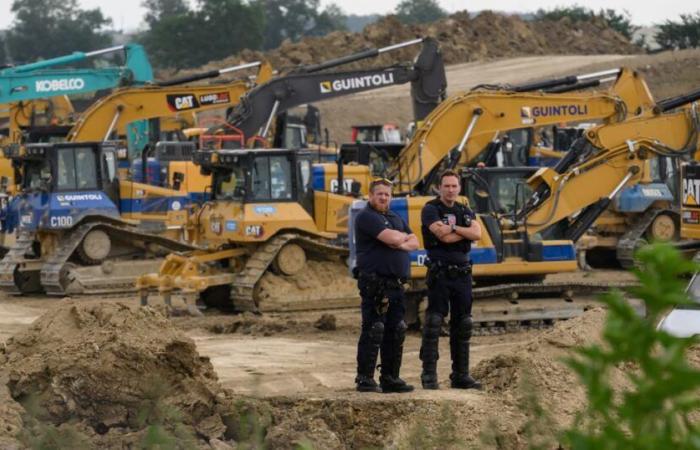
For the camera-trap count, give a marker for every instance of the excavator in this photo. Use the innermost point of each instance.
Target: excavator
(31, 90)
(623, 177)
(110, 118)
(45, 253)
(465, 128)
(254, 115)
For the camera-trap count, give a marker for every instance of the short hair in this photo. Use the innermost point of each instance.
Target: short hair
(380, 182)
(448, 173)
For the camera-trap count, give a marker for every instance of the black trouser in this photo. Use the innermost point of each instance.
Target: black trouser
(449, 292)
(381, 329)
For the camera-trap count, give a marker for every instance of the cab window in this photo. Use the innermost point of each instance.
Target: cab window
(77, 169)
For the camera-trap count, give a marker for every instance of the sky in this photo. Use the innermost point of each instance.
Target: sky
(127, 14)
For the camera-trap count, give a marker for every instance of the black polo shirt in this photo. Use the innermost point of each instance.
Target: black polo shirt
(374, 256)
(436, 211)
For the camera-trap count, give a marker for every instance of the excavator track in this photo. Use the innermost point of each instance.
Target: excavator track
(57, 273)
(243, 290)
(628, 243)
(10, 276)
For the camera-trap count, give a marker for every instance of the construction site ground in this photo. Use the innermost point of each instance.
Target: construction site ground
(295, 371)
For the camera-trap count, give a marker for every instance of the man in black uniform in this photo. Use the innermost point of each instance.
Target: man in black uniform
(448, 229)
(383, 241)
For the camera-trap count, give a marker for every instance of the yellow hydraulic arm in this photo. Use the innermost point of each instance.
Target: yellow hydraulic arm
(614, 157)
(114, 112)
(469, 121)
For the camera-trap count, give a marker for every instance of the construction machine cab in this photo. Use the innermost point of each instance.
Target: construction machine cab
(56, 176)
(496, 190)
(258, 176)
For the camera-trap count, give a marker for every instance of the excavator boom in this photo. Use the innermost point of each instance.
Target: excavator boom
(461, 128)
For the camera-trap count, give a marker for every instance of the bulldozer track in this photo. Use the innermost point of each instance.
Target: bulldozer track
(55, 272)
(243, 287)
(10, 263)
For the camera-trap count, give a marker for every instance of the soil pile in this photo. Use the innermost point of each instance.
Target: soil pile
(114, 374)
(462, 39)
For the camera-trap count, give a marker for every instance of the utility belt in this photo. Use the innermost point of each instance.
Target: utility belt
(439, 270)
(375, 286)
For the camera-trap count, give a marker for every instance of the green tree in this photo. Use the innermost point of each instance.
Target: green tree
(330, 19)
(230, 26)
(287, 19)
(683, 34)
(620, 22)
(49, 28)
(3, 54)
(655, 411)
(178, 37)
(163, 9)
(419, 11)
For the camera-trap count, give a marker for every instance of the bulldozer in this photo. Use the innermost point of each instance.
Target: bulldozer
(264, 215)
(70, 225)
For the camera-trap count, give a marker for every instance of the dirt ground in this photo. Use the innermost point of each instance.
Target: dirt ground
(295, 369)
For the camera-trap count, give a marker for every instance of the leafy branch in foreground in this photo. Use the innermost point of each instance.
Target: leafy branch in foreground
(653, 411)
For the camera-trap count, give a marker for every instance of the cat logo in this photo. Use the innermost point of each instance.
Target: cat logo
(326, 87)
(181, 102)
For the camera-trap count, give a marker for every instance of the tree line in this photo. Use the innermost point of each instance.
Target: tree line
(177, 35)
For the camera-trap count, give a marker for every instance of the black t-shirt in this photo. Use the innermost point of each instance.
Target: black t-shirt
(456, 252)
(374, 256)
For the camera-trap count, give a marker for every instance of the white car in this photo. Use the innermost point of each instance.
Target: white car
(684, 321)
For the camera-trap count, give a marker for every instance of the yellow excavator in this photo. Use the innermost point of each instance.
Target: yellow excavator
(464, 129)
(622, 177)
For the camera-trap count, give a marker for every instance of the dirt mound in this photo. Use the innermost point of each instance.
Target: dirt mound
(112, 371)
(462, 39)
(537, 366)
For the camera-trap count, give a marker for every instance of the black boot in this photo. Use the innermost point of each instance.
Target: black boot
(392, 353)
(429, 353)
(460, 337)
(367, 353)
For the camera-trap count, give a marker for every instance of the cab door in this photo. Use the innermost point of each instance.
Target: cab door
(109, 175)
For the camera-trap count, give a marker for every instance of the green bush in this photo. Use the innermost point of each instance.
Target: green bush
(680, 35)
(654, 412)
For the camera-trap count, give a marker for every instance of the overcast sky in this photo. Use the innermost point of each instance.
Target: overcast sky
(127, 14)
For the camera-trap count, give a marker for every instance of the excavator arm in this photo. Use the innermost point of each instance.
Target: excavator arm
(41, 79)
(257, 109)
(460, 129)
(113, 112)
(610, 158)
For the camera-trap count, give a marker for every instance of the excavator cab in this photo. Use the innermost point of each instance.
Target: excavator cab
(496, 190)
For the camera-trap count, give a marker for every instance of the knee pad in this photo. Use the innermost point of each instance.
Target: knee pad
(433, 322)
(376, 333)
(466, 324)
(400, 332)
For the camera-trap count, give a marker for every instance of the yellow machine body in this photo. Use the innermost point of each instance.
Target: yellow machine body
(473, 119)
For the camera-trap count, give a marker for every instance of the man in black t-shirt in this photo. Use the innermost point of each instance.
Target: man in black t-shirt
(448, 229)
(383, 241)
